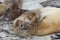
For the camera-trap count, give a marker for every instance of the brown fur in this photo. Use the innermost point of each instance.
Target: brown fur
(2, 9)
(9, 3)
(14, 10)
(13, 14)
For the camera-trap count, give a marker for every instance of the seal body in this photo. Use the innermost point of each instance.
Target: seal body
(51, 23)
(43, 22)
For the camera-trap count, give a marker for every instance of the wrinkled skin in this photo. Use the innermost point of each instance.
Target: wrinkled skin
(30, 23)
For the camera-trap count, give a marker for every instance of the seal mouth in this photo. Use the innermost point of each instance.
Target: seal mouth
(23, 33)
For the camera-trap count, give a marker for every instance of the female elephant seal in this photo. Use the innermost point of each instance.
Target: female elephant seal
(38, 22)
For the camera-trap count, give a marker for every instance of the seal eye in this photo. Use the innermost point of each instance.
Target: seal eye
(21, 25)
